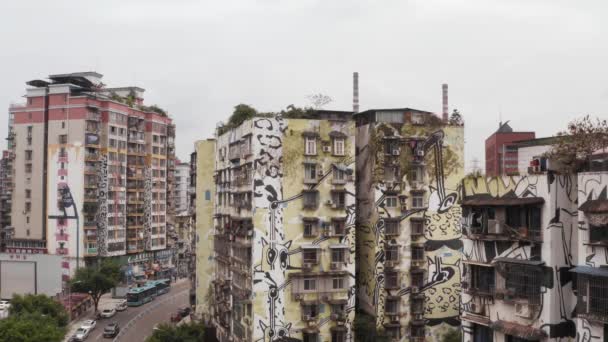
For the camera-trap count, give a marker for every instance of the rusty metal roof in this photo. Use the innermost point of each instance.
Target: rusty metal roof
(522, 331)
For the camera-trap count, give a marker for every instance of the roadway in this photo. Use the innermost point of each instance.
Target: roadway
(136, 323)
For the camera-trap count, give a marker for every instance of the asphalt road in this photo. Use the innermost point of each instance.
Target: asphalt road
(136, 323)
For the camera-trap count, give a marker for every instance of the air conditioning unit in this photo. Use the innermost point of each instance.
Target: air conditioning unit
(325, 298)
(298, 296)
(335, 266)
(494, 227)
(415, 289)
(307, 317)
(396, 152)
(418, 317)
(523, 310)
(389, 184)
(420, 153)
(307, 265)
(394, 318)
(415, 185)
(329, 203)
(250, 233)
(327, 149)
(404, 207)
(389, 263)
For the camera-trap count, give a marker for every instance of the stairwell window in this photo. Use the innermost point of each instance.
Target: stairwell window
(310, 173)
(63, 139)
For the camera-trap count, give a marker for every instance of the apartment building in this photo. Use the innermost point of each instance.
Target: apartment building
(6, 189)
(501, 153)
(90, 170)
(283, 228)
(520, 241)
(591, 275)
(181, 195)
(409, 167)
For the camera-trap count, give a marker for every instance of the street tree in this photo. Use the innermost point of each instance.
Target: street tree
(31, 327)
(319, 100)
(189, 332)
(46, 306)
(96, 280)
(452, 335)
(575, 146)
(456, 118)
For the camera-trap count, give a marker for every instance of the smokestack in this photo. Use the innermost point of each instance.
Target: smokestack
(355, 92)
(444, 88)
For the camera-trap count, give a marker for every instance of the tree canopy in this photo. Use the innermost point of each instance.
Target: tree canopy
(31, 304)
(190, 332)
(30, 327)
(452, 335)
(96, 279)
(575, 146)
(241, 113)
(456, 118)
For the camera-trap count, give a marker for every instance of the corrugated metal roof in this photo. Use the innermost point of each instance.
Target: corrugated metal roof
(493, 201)
(522, 331)
(519, 261)
(594, 206)
(592, 271)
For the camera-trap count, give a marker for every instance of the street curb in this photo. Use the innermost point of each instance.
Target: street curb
(145, 312)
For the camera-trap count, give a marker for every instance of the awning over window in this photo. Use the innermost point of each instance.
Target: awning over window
(494, 201)
(518, 330)
(592, 271)
(337, 134)
(519, 261)
(476, 263)
(310, 247)
(594, 206)
(338, 246)
(341, 167)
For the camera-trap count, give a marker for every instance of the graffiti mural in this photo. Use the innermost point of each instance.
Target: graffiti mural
(542, 248)
(148, 208)
(409, 224)
(102, 209)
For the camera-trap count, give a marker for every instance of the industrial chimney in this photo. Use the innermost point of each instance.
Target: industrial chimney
(444, 88)
(355, 92)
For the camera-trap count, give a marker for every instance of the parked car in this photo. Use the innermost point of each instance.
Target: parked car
(81, 334)
(122, 306)
(111, 330)
(108, 313)
(4, 304)
(89, 324)
(185, 311)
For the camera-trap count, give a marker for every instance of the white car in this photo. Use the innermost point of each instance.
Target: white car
(107, 313)
(4, 304)
(81, 334)
(122, 306)
(89, 324)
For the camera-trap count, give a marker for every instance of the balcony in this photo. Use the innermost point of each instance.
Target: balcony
(91, 251)
(91, 156)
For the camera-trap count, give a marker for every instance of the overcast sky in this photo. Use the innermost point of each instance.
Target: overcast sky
(539, 63)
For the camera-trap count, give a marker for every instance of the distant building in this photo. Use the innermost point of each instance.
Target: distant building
(501, 155)
(181, 196)
(92, 169)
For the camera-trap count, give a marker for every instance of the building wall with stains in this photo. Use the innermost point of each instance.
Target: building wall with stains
(431, 198)
(500, 310)
(205, 205)
(592, 254)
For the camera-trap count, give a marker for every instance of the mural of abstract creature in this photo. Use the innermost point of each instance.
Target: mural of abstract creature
(277, 221)
(438, 153)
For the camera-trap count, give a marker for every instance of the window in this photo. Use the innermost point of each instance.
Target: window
(338, 198)
(391, 201)
(310, 146)
(391, 227)
(28, 193)
(310, 229)
(417, 253)
(417, 227)
(337, 254)
(28, 206)
(598, 234)
(310, 173)
(418, 201)
(28, 168)
(416, 174)
(63, 138)
(310, 337)
(391, 173)
(481, 279)
(310, 284)
(338, 283)
(392, 280)
(417, 118)
(30, 129)
(393, 332)
(417, 305)
(523, 281)
(392, 306)
(310, 199)
(339, 175)
(417, 279)
(28, 154)
(339, 146)
(592, 296)
(309, 256)
(339, 226)
(481, 333)
(392, 252)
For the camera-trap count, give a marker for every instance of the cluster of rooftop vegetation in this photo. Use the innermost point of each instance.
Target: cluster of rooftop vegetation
(129, 100)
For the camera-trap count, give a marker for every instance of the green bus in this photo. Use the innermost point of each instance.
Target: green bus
(141, 295)
(162, 286)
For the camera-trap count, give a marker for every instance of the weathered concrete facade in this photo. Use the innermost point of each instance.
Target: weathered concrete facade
(409, 167)
(519, 237)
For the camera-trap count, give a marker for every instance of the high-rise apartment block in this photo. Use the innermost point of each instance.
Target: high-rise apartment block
(501, 152)
(91, 169)
(409, 167)
(283, 229)
(181, 192)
